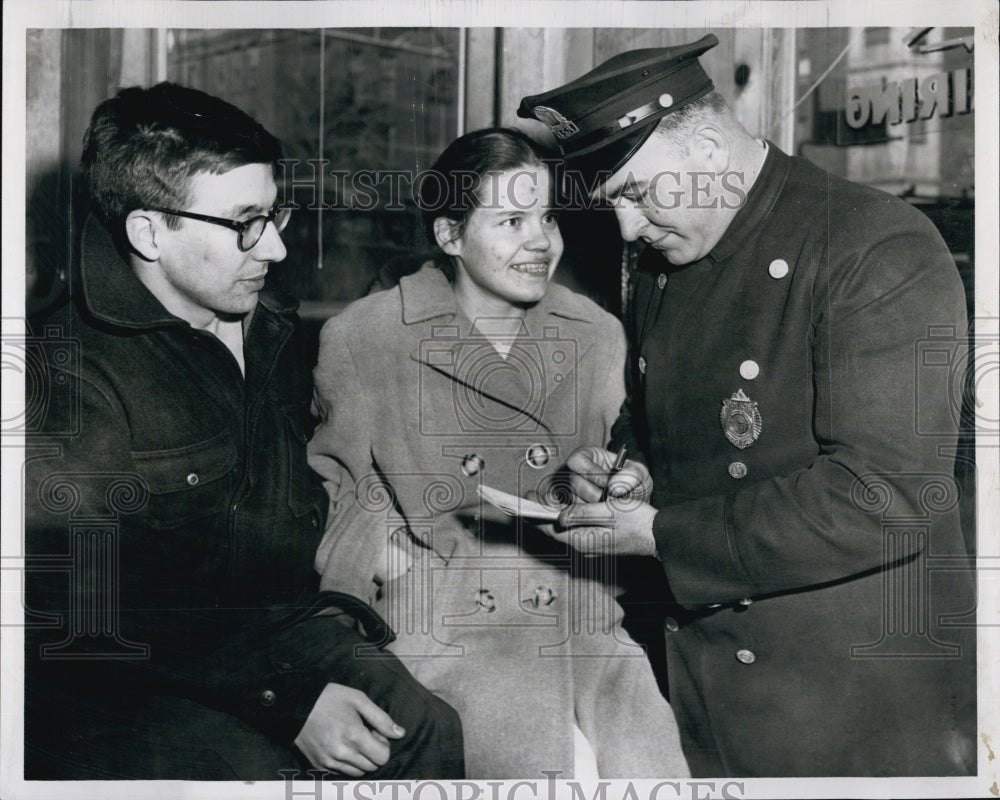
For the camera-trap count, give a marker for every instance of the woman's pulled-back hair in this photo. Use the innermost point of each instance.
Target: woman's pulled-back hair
(451, 188)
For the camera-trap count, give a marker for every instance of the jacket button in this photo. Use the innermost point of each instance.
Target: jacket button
(778, 268)
(472, 465)
(661, 280)
(671, 625)
(749, 370)
(314, 519)
(642, 365)
(537, 456)
(745, 656)
(746, 601)
(737, 470)
(192, 479)
(267, 698)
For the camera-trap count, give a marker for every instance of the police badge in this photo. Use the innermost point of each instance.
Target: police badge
(740, 420)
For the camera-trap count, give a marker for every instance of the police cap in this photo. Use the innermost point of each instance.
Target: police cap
(602, 118)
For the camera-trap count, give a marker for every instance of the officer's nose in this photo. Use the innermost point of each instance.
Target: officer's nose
(631, 221)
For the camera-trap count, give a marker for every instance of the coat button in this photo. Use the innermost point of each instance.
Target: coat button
(485, 599)
(671, 625)
(745, 656)
(314, 519)
(737, 470)
(746, 601)
(665, 100)
(192, 479)
(267, 698)
(537, 456)
(661, 280)
(749, 369)
(544, 596)
(472, 465)
(778, 268)
(642, 365)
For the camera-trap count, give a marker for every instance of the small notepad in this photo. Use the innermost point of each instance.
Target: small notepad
(518, 506)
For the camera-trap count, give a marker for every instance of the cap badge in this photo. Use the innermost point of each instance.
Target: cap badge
(740, 420)
(561, 127)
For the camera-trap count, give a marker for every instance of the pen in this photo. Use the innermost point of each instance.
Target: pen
(615, 469)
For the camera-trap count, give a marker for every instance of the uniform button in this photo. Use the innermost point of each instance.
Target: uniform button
(714, 605)
(472, 465)
(267, 698)
(665, 100)
(745, 656)
(746, 601)
(778, 268)
(642, 365)
(738, 470)
(661, 280)
(671, 625)
(537, 456)
(749, 369)
(314, 519)
(192, 479)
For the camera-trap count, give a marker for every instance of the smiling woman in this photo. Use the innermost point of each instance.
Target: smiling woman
(481, 372)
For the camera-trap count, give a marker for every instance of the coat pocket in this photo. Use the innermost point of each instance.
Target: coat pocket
(187, 483)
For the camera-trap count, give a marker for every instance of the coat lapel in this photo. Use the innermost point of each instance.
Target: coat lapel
(541, 362)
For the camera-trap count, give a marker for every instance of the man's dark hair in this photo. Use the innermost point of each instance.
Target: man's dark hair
(144, 146)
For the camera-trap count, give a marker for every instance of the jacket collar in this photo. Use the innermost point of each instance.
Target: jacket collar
(112, 292)
(759, 203)
(427, 294)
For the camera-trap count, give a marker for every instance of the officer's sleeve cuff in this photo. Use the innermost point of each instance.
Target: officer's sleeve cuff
(697, 546)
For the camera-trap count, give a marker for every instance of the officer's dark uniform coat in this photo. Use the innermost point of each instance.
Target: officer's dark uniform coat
(815, 567)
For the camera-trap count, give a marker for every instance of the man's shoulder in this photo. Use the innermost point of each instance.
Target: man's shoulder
(840, 199)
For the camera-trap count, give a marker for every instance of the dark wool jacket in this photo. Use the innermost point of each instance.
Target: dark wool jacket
(812, 567)
(172, 518)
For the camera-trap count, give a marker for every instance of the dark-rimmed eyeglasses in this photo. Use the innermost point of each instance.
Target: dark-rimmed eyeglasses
(249, 231)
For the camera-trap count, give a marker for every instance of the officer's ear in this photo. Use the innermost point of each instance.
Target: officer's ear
(446, 235)
(142, 230)
(710, 147)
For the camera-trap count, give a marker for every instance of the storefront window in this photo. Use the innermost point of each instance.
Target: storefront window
(360, 111)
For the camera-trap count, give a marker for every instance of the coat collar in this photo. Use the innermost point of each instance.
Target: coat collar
(462, 353)
(427, 294)
(760, 201)
(112, 292)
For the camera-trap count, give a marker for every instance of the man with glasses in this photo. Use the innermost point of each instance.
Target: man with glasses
(174, 630)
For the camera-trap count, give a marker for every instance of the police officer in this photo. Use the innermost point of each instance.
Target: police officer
(776, 418)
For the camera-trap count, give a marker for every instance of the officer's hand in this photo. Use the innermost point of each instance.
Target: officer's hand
(616, 527)
(589, 468)
(346, 732)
